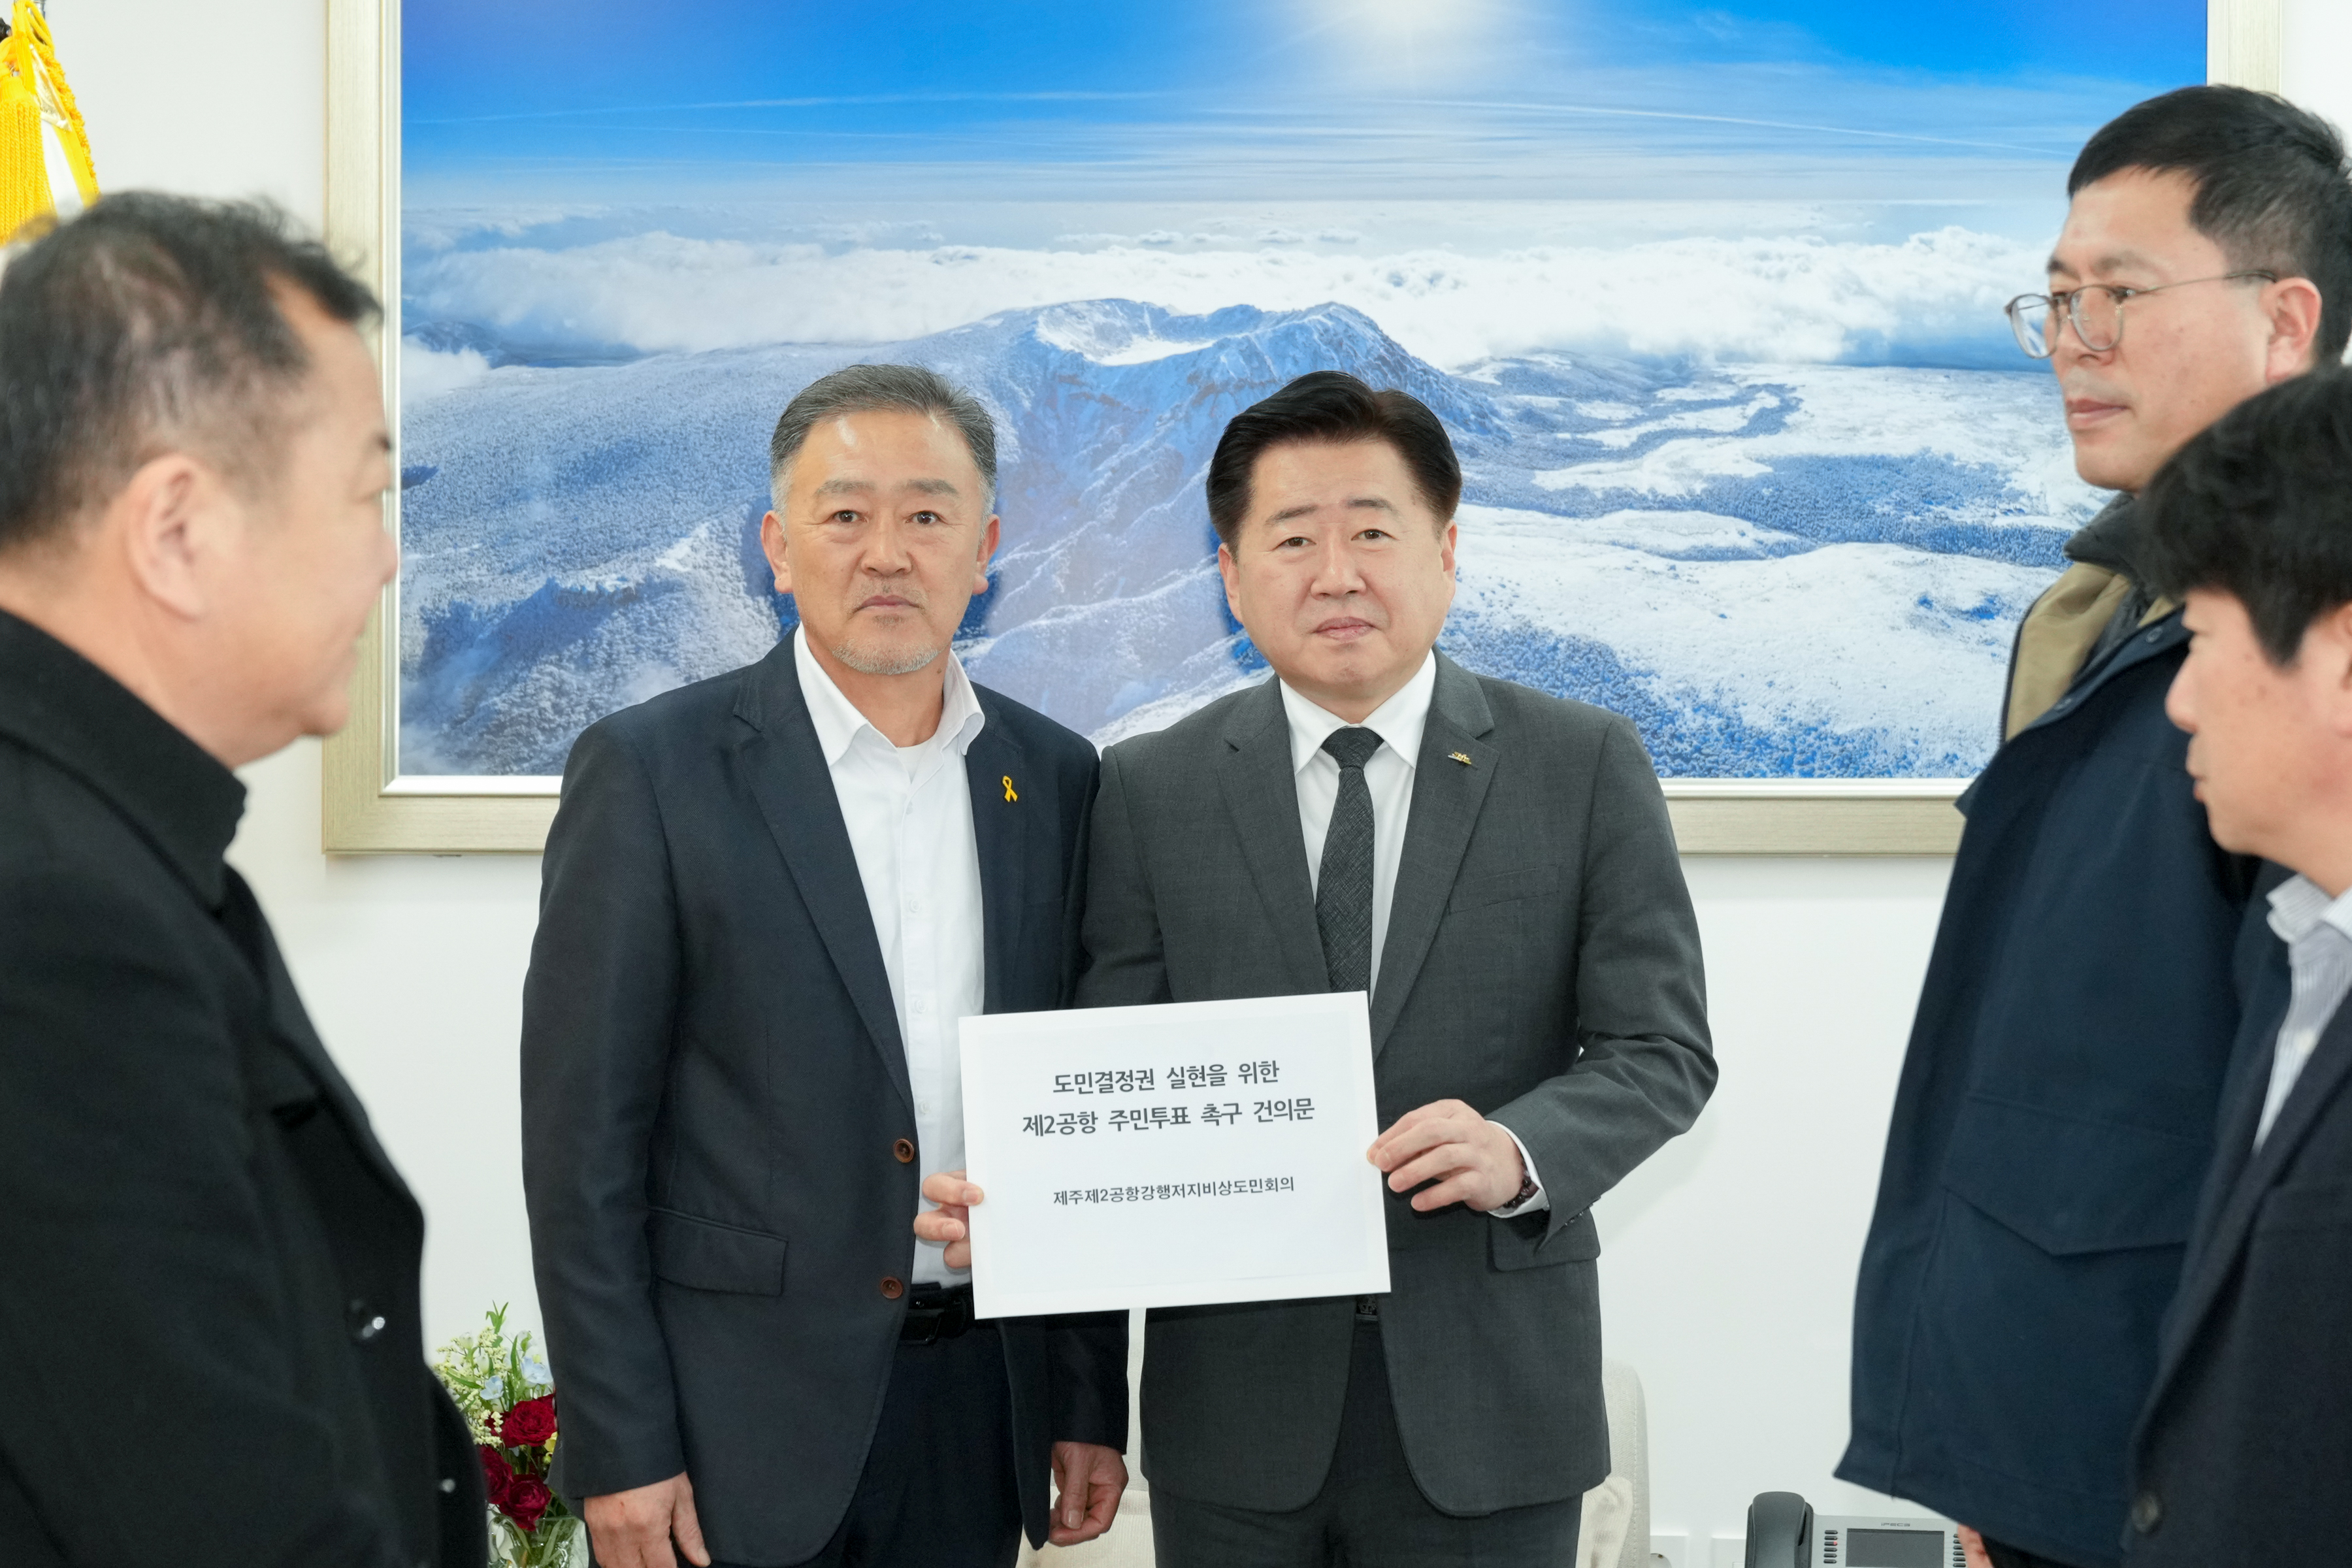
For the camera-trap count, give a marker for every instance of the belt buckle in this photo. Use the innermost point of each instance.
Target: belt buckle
(947, 1316)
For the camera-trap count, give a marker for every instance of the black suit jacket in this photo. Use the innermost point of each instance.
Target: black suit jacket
(1542, 964)
(209, 1317)
(714, 1086)
(2243, 1453)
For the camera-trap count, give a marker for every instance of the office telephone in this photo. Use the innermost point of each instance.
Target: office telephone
(1783, 1532)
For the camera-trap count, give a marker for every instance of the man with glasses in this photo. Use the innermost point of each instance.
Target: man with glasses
(2056, 1111)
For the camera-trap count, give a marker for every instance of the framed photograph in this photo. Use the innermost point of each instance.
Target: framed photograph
(1709, 296)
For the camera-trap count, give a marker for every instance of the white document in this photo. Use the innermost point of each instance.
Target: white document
(1172, 1156)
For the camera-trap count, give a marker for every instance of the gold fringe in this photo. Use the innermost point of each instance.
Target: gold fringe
(34, 94)
(24, 162)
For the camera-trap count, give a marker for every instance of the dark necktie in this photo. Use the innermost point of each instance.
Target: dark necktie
(1343, 888)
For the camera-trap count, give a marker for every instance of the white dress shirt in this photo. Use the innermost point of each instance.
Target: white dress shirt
(2317, 931)
(909, 809)
(1388, 775)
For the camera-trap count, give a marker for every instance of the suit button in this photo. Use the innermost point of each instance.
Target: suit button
(364, 1321)
(905, 1149)
(893, 1286)
(2147, 1512)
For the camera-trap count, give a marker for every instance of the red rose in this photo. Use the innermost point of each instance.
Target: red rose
(498, 1476)
(530, 1423)
(526, 1499)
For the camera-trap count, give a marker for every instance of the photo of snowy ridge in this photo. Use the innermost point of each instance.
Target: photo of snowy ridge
(1749, 454)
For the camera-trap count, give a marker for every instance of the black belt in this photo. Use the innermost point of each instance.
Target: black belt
(936, 1312)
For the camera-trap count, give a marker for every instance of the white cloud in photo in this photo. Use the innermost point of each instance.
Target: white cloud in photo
(1767, 298)
(428, 373)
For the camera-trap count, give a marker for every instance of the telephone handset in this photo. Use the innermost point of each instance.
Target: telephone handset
(1784, 1533)
(1779, 1531)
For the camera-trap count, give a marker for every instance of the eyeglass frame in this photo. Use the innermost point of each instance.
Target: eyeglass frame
(2062, 304)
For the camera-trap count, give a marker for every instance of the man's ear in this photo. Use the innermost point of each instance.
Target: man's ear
(2326, 651)
(1232, 573)
(989, 538)
(772, 545)
(2294, 307)
(170, 522)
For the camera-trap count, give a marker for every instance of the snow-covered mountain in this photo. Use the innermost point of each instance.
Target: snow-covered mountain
(1776, 571)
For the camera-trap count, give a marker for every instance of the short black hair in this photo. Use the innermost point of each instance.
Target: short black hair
(864, 388)
(1331, 405)
(2273, 190)
(2259, 506)
(149, 323)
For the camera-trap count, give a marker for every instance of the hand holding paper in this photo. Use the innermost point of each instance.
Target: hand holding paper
(950, 1222)
(1472, 1160)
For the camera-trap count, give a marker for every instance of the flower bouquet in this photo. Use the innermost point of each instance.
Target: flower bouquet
(507, 1396)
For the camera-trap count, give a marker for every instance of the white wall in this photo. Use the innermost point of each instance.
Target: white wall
(1730, 1256)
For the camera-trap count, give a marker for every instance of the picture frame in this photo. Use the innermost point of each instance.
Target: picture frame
(368, 808)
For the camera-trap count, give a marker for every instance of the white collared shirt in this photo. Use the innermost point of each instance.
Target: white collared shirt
(908, 810)
(2317, 931)
(1388, 775)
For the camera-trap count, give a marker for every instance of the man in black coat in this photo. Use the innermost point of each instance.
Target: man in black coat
(210, 1339)
(767, 899)
(2244, 1451)
(2056, 1112)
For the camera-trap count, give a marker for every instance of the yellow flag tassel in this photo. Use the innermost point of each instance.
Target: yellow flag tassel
(24, 163)
(35, 104)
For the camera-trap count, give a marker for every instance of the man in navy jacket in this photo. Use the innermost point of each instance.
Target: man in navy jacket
(2244, 1453)
(2056, 1111)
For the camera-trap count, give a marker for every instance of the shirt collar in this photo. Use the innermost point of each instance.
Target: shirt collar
(2300, 906)
(173, 791)
(838, 722)
(1399, 721)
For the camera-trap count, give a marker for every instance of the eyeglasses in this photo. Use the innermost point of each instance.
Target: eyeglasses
(2096, 309)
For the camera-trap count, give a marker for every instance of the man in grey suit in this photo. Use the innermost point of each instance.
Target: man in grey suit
(1495, 867)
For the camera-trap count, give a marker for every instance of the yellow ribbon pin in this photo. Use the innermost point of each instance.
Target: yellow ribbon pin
(1009, 791)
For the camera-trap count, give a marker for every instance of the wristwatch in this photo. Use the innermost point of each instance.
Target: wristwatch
(1529, 1186)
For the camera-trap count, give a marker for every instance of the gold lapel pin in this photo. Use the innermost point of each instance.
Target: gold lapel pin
(1010, 794)
(1462, 757)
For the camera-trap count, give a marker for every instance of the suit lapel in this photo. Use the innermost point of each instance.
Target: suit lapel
(1446, 797)
(785, 769)
(1261, 793)
(2323, 1078)
(1005, 799)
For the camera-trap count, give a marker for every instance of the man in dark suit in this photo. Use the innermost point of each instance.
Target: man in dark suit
(767, 899)
(211, 1346)
(2243, 1453)
(2056, 1108)
(1495, 867)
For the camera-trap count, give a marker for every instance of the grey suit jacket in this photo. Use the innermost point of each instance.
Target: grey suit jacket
(1541, 964)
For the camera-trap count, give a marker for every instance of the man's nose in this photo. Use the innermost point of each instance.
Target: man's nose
(2068, 348)
(885, 551)
(2177, 705)
(1335, 568)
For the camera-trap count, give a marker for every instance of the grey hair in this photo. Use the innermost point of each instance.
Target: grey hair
(865, 388)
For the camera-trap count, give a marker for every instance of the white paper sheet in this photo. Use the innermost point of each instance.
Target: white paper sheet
(1172, 1156)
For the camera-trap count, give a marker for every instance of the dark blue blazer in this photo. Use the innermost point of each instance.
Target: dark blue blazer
(715, 1094)
(2052, 1124)
(2244, 1451)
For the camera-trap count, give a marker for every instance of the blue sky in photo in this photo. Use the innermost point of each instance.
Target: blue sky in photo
(1281, 98)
